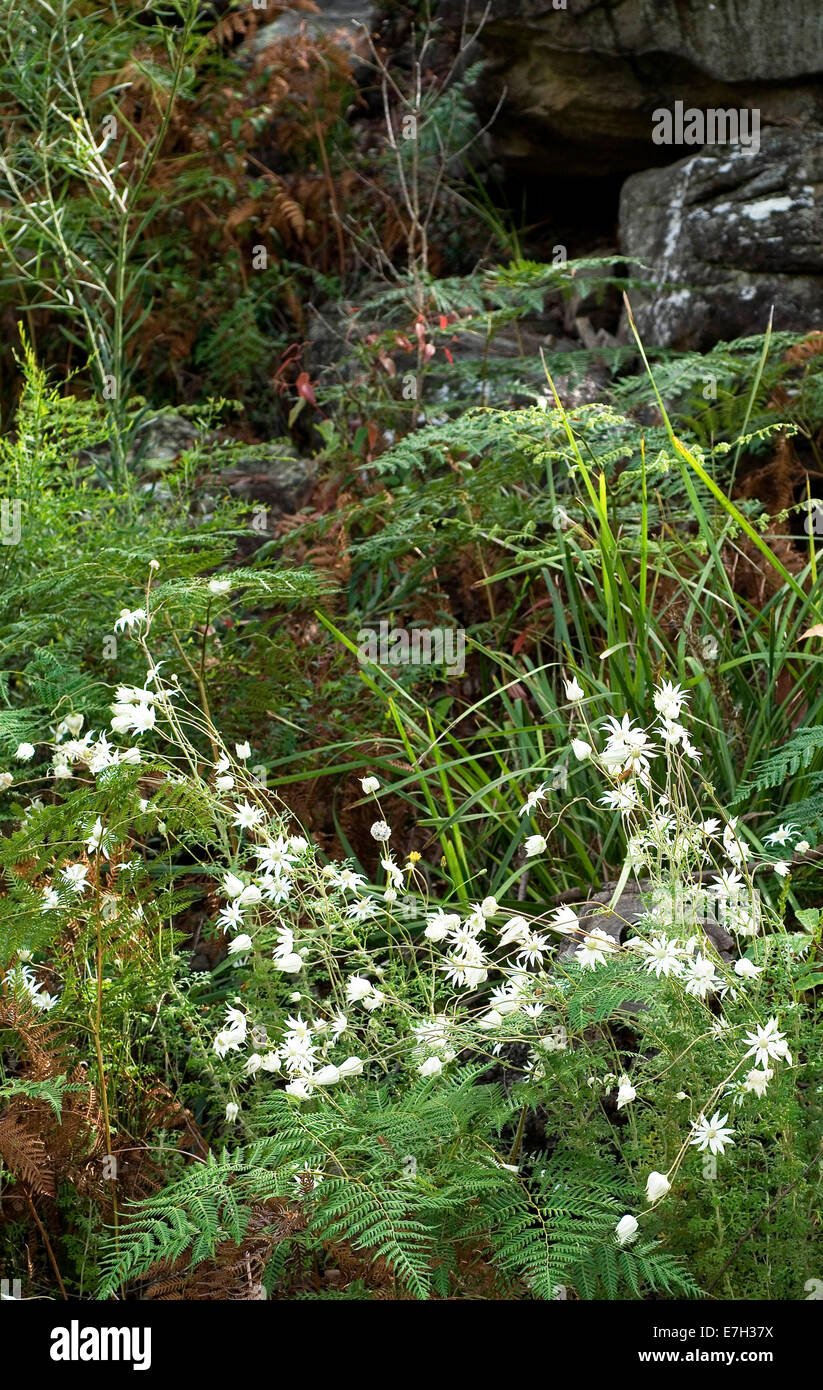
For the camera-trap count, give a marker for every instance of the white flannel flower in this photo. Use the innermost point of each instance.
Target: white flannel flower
(737, 850)
(230, 917)
(369, 785)
(469, 969)
(626, 1092)
(346, 879)
(298, 1055)
(326, 1076)
(129, 619)
(766, 1043)
(663, 957)
(42, 1000)
(657, 1185)
(516, 930)
(99, 839)
(756, 1081)
(352, 1066)
(711, 1134)
(25, 752)
(227, 1041)
(298, 1028)
(781, 836)
(535, 844)
(75, 875)
(574, 690)
(380, 831)
(394, 872)
(727, 885)
(623, 799)
(247, 816)
(532, 950)
(439, 924)
(241, 943)
(565, 920)
(288, 961)
(700, 976)
(464, 938)
(357, 988)
(361, 910)
(431, 1067)
(300, 1089)
(139, 717)
(236, 1020)
(533, 800)
(746, 969)
(669, 700)
(628, 747)
(741, 917)
(626, 1230)
(673, 733)
(592, 951)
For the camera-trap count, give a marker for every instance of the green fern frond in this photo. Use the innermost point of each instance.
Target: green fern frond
(794, 756)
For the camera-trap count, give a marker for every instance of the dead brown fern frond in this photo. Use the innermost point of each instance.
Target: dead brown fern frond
(23, 1150)
(235, 1272)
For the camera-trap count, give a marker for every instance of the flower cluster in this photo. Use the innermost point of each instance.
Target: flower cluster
(22, 977)
(301, 1057)
(458, 980)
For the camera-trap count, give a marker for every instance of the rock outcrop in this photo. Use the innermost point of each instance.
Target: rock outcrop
(582, 82)
(724, 235)
(722, 224)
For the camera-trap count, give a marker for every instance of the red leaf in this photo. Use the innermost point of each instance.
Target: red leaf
(305, 388)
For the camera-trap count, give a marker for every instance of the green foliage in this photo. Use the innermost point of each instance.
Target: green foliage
(406, 1180)
(562, 542)
(796, 755)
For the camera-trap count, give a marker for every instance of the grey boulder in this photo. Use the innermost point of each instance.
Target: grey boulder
(724, 235)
